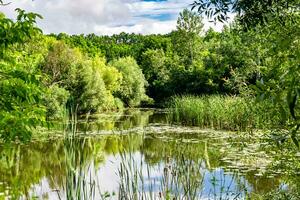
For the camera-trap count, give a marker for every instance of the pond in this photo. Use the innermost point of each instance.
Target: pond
(139, 155)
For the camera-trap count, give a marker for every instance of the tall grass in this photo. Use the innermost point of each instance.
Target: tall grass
(223, 112)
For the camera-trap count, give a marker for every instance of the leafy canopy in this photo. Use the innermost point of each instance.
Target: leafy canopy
(249, 12)
(21, 109)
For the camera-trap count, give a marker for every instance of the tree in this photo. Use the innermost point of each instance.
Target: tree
(273, 20)
(21, 108)
(132, 91)
(189, 22)
(89, 82)
(249, 13)
(186, 39)
(17, 32)
(280, 78)
(155, 69)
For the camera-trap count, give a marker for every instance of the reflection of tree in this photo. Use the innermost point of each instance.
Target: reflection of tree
(78, 181)
(22, 166)
(257, 182)
(157, 149)
(187, 177)
(127, 119)
(127, 142)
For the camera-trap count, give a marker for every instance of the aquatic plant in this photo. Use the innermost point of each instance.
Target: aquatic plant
(223, 112)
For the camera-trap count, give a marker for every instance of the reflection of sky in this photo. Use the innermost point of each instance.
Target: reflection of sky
(105, 173)
(227, 186)
(216, 183)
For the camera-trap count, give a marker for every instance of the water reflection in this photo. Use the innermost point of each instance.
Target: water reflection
(164, 162)
(132, 118)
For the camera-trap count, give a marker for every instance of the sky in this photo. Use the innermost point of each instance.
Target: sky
(104, 17)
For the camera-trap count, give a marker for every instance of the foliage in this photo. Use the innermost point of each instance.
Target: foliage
(132, 91)
(91, 73)
(156, 71)
(19, 31)
(56, 98)
(186, 40)
(277, 65)
(281, 78)
(182, 62)
(249, 13)
(90, 94)
(20, 102)
(89, 81)
(21, 110)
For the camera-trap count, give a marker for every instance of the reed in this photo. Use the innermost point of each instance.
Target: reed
(223, 112)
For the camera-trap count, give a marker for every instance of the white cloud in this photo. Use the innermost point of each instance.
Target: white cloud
(142, 27)
(103, 16)
(73, 16)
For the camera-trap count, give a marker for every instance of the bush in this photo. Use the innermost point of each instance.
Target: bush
(89, 81)
(56, 99)
(90, 94)
(132, 91)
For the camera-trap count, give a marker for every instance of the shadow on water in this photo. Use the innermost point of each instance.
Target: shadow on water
(137, 155)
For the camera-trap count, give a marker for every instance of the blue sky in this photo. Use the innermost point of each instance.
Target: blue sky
(104, 17)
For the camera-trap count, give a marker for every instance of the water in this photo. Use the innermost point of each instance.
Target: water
(137, 154)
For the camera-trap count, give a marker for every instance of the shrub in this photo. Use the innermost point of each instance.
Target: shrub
(89, 81)
(56, 99)
(132, 91)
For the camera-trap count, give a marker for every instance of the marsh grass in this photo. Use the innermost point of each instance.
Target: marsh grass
(223, 112)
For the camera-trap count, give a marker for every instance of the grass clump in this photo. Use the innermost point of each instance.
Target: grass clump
(223, 112)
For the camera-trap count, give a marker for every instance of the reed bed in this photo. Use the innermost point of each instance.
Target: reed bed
(223, 112)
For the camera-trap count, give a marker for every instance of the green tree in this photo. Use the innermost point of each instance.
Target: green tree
(186, 39)
(273, 20)
(19, 31)
(89, 82)
(21, 108)
(155, 69)
(132, 91)
(249, 13)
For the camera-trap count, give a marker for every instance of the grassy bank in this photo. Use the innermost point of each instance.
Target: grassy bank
(223, 112)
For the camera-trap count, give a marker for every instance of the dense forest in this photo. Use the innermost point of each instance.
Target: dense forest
(42, 75)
